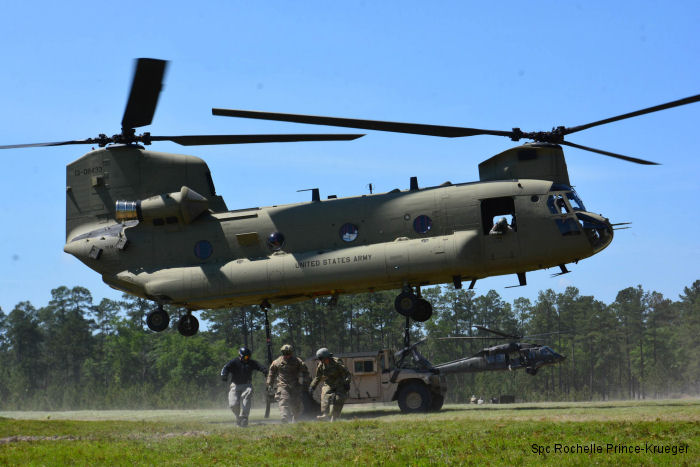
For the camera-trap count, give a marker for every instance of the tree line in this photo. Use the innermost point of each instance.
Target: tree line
(74, 353)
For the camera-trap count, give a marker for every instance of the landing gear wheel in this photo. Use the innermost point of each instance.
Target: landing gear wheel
(531, 371)
(422, 311)
(415, 397)
(188, 325)
(437, 402)
(405, 303)
(158, 320)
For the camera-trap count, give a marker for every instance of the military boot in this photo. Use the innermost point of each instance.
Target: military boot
(322, 417)
(243, 422)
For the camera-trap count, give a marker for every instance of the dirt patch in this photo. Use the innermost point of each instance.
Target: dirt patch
(135, 436)
(19, 438)
(186, 434)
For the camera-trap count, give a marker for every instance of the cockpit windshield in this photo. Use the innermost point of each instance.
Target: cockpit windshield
(575, 201)
(571, 196)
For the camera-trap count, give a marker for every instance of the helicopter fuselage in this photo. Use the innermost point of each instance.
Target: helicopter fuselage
(177, 243)
(511, 356)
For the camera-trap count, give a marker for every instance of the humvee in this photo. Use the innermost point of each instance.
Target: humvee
(382, 376)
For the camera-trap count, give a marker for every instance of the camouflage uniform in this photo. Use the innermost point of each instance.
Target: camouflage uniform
(287, 373)
(335, 378)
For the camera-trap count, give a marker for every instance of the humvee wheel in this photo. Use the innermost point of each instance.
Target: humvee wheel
(414, 397)
(158, 320)
(405, 303)
(422, 311)
(437, 402)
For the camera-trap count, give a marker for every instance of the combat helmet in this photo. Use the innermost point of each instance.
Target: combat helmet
(287, 349)
(244, 352)
(323, 353)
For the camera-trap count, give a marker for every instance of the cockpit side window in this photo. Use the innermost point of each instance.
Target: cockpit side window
(494, 209)
(557, 205)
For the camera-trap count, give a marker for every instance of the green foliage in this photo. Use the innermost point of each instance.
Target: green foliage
(73, 353)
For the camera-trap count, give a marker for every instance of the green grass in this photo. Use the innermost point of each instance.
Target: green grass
(471, 435)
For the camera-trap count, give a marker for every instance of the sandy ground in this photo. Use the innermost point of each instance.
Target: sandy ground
(673, 409)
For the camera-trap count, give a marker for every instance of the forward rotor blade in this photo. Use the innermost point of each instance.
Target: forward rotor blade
(656, 108)
(145, 90)
(396, 127)
(611, 154)
(201, 140)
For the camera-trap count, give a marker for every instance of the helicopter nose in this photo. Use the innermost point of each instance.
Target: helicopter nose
(597, 228)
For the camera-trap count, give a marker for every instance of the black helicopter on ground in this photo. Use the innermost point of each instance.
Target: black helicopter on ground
(511, 356)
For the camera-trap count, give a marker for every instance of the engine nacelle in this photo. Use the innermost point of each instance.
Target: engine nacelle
(185, 205)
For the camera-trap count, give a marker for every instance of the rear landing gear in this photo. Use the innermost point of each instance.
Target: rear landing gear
(188, 325)
(158, 320)
(413, 306)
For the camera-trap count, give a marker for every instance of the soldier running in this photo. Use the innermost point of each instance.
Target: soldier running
(240, 395)
(336, 384)
(291, 376)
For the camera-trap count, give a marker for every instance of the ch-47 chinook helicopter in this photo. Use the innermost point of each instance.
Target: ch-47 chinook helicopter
(511, 356)
(152, 224)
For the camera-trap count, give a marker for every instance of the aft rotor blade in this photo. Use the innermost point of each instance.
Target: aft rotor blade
(656, 108)
(611, 154)
(200, 140)
(145, 90)
(396, 127)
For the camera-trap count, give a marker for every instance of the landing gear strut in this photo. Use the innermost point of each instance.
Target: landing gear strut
(188, 325)
(158, 320)
(413, 306)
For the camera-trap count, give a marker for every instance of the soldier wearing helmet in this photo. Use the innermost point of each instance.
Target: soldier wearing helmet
(336, 383)
(240, 395)
(290, 375)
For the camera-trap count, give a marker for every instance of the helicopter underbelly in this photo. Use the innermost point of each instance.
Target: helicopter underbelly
(284, 277)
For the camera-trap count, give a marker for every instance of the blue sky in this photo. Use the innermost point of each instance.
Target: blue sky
(67, 67)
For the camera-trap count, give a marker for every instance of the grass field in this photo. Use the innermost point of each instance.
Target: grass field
(605, 433)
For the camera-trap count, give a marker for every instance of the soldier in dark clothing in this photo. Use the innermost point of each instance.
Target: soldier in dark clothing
(241, 393)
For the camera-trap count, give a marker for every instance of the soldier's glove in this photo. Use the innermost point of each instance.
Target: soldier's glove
(346, 386)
